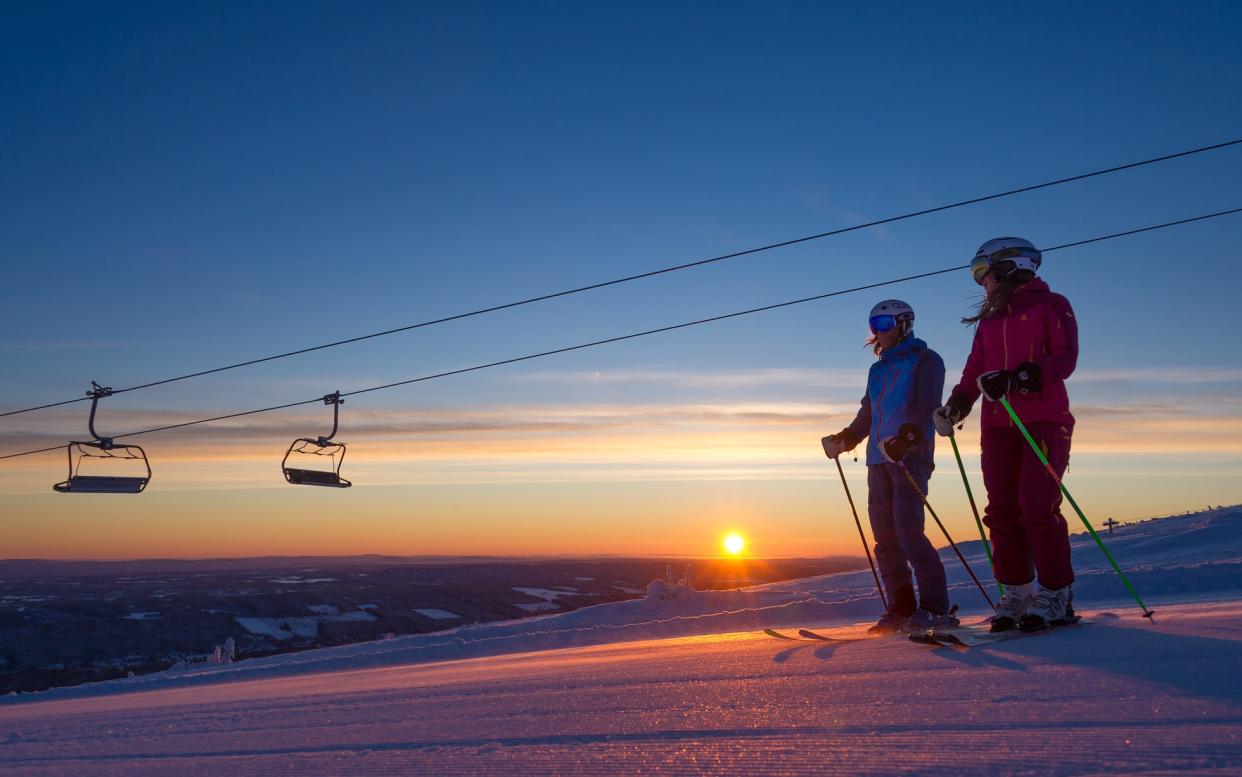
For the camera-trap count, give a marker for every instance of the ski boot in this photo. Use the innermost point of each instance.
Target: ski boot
(1013, 605)
(1052, 607)
(926, 619)
(891, 622)
(901, 604)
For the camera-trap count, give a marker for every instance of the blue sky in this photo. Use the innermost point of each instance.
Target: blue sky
(194, 184)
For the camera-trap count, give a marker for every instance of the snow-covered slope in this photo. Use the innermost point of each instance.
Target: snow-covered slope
(685, 684)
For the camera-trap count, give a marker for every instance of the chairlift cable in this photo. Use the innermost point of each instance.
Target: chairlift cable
(653, 273)
(631, 336)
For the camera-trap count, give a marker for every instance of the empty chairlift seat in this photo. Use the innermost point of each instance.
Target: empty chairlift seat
(105, 466)
(101, 466)
(316, 461)
(301, 473)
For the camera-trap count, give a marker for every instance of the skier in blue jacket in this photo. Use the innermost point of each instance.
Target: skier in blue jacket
(904, 388)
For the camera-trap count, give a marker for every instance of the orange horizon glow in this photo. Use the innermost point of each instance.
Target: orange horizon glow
(582, 480)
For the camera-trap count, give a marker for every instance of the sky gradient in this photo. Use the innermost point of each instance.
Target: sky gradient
(187, 186)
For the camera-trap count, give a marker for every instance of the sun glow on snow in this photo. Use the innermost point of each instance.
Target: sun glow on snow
(734, 544)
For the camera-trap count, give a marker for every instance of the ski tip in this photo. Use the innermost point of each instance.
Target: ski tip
(777, 634)
(812, 635)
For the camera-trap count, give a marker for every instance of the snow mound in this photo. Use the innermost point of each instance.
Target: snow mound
(668, 589)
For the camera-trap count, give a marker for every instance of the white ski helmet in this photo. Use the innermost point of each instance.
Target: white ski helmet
(1007, 255)
(891, 313)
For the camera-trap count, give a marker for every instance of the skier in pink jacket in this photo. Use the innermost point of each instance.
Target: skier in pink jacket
(1025, 346)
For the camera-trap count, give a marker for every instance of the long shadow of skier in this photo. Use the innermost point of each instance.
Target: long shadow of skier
(977, 657)
(789, 653)
(1205, 666)
(827, 649)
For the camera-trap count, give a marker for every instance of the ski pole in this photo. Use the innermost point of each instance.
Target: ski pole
(914, 484)
(1091, 529)
(861, 536)
(987, 547)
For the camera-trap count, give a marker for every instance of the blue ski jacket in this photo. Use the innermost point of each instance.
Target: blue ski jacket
(904, 386)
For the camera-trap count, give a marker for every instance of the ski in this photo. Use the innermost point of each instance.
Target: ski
(974, 636)
(806, 635)
(778, 635)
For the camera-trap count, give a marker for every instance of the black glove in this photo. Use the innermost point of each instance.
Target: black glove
(960, 403)
(1028, 377)
(896, 447)
(995, 384)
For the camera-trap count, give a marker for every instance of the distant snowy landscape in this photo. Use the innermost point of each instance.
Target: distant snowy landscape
(685, 681)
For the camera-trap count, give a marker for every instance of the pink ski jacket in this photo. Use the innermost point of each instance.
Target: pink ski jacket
(1038, 326)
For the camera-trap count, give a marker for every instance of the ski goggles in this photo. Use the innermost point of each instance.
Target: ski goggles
(883, 323)
(979, 267)
(981, 264)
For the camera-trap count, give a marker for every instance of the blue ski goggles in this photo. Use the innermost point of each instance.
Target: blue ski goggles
(884, 323)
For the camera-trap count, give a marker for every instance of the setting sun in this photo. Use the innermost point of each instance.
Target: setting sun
(734, 544)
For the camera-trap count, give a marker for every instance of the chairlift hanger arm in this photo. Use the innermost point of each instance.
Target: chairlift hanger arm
(336, 400)
(96, 393)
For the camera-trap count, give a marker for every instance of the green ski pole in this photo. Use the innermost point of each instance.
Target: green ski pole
(1035, 446)
(987, 547)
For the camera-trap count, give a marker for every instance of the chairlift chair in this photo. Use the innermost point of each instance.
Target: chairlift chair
(322, 447)
(103, 449)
